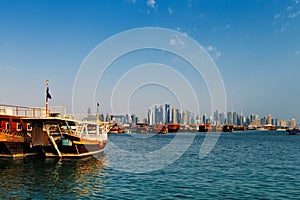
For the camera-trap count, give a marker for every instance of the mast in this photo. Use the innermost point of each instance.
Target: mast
(48, 96)
(97, 119)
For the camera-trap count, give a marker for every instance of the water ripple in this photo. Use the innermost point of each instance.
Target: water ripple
(250, 165)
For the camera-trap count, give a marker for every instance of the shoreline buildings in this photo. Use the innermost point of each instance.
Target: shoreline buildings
(159, 114)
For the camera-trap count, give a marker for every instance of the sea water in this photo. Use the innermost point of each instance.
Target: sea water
(241, 165)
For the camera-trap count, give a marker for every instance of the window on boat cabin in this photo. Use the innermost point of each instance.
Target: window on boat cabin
(7, 125)
(29, 127)
(19, 126)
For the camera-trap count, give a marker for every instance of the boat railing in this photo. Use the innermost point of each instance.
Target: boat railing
(83, 117)
(86, 118)
(92, 131)
(40, 112)
(35, 112)
(21, 111)
(100, 137)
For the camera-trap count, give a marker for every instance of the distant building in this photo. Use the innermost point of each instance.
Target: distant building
(119, 119)
(234, 118)
(192, 119)
(255, 123)
(134, 119)
(216, 117)
(145, 121)
(282, 123)
(175, 116)
(230, 118)
(127, 119)
(89, 111)
(239, 120)
(150, 116)
(198, 119)
(167, 114)
(263, 121)
(185, 117)
(222, 118)
(204, 118)
(292, 123)
(253, 117)
(269, 119)
(158, 114)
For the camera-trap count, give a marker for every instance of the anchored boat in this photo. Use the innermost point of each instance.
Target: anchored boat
(173, 128)
(35, 131)
(15, 138)
(293, 131)
(160, 128)
(68, 138)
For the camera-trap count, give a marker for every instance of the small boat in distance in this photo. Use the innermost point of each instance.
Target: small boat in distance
(281, 129)
(239, 128)
(293, 131)
(227, 128)
(116, 129)
(160, 128)
(173, 128)
(204, 128)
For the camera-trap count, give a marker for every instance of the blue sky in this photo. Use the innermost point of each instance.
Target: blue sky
(255, 45)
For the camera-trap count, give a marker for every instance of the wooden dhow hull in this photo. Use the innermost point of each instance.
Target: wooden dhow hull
(15, 142)
(68, 138)
(73, 149)
(17, 150)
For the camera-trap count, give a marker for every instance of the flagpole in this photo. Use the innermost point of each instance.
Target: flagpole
(47, 107)
(97, 112)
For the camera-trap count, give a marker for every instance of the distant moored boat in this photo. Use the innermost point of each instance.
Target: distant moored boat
(293, 131)
(173, 128)
(227, 128)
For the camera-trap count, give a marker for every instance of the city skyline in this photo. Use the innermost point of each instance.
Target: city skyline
(254, 44)
(166, 113)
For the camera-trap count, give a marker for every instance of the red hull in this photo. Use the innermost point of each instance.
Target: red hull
(14, 140)
(173, 128)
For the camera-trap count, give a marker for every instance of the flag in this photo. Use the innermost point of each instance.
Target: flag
(48, 95)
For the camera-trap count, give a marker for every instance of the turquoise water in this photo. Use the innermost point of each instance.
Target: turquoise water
(242, 165)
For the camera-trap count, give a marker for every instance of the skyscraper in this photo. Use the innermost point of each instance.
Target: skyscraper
(204, 118)
(175, 116)
(216, 117)
(269, 119)
(159, 114)
(150, 116)
(222, 118)
(230, 118)
(167, 113)
(292, 123)
(185, 117)
(234, 118)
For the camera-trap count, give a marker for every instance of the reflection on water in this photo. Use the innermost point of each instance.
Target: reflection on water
(35, 178)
